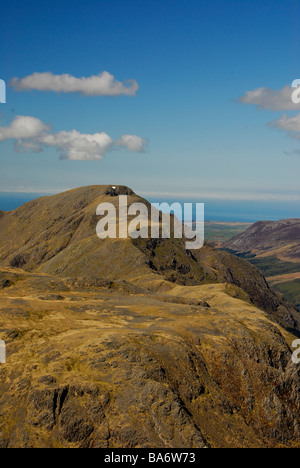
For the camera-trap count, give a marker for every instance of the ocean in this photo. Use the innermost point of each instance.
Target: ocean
(215, 210)
(244, 211)
(11, 201)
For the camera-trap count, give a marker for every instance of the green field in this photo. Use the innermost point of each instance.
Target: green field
(273, 266)
(222, 232)
(291, 291)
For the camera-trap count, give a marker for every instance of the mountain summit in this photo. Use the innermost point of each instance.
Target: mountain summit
(137, 343)
(57, 235)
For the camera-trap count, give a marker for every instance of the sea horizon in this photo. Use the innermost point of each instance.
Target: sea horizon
(215, 210)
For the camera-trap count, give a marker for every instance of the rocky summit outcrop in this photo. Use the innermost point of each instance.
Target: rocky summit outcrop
(123, 343)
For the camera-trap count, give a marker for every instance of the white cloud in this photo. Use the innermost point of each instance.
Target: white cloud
(23, 127)
(21, 146)
(103, 84)
(290, 124)
(268, 99)
(31, 134)
(287, 99)
(132, 143)
(79, 147)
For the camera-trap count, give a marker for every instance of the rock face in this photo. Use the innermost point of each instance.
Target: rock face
(279, 238)
(137, 343)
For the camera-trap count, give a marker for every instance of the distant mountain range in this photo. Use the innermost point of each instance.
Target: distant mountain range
(270, 238)
(137, 343)
(274, 247)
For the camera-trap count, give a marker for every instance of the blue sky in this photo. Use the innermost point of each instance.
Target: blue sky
(192, 61)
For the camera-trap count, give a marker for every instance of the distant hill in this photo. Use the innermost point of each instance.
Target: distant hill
(273, 247)
(268, 238)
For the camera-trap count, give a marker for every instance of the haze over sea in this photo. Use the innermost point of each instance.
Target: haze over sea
(215, 210)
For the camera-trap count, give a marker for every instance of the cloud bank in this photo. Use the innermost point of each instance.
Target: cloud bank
(289, 124)
(103, 84)
(287, 99)
(31, 134)
(268, 99)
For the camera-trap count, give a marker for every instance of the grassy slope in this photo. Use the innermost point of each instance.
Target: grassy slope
(110, 367)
